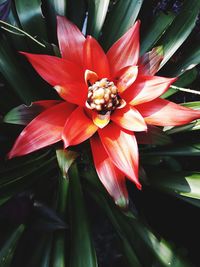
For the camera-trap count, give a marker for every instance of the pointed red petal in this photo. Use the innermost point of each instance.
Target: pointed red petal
(122, 149)
(111, 177)
(78, 128)
(70, 40)
(44, 130)
(165, 113)
(55, 70)
(129, 118)
(73, 92)
(147, 88)
(127, 77)
(125, 51)
(95, 58)
(149, 63)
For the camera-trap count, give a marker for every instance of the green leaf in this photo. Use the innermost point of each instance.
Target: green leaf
(60, 252)
(186, 78)
(18, 174)
(188, 61)
(40, 256)
(120, 18)
(23, 114)
(194, 105)
(65, 159)
(16, 75)
(176, 150)
(156, 29)
(97, 11)
(54, 8)
(184, 183)
(8, 249)
(180, 29)
(76, 11)
(31, 18)
(140, 240)
(82, 249)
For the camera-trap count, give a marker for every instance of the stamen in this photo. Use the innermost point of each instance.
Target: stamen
(103, 97)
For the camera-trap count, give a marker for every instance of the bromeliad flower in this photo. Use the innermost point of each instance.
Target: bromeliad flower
(107, 99)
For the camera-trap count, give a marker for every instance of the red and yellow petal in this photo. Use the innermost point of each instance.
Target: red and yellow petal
(71, 40)
(78, 128)
(127, 76)
(162, 112)
(125, 51)
(73, 92)
(44, 130)
(121, 146)
(101, 120)
(55, 70)
(95, 59)
(90, 77)
(110, 176)
(147, 88)
(129, 118)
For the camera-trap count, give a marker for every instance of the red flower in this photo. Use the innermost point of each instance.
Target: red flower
(107, 97)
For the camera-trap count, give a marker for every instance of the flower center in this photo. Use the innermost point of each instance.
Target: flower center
(103, 96)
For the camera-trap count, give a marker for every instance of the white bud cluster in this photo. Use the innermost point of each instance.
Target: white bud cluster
(103, 96)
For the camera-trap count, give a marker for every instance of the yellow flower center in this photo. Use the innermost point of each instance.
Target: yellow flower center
(103, 96)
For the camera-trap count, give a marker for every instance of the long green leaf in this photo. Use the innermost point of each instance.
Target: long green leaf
(54, 8)
(176, 150)
(82, 250)
(31, 18)
(41, 254)
(97, 11)
(186, 78)
(16, 75)
(187, 62)
(120, 18)
(184, 183)
(8, 249)
(60, 252)
(76, 11)
(157, 28)
(140, 239)
(180, 29)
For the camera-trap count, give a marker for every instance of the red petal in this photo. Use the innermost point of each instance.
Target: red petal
(70, 40)
(129, 118)
(95, 58)
(147, 88)
(55, 70)
(127, 78)
(44, 130)
(125, 51)
(74, 93)
(165, 113)
(122, 149)
(78, 128)
(150, 62)
(111, 177)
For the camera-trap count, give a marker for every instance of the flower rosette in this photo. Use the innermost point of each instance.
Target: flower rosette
(111, 98)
